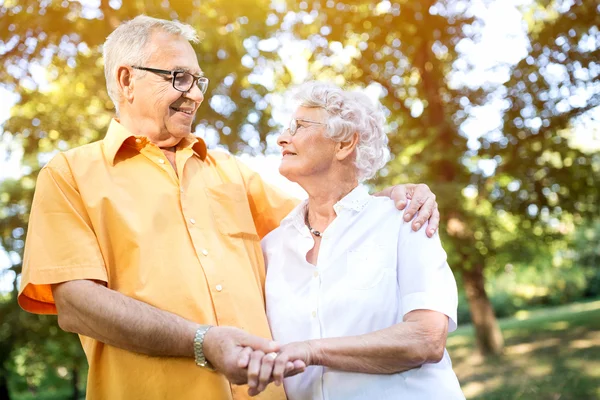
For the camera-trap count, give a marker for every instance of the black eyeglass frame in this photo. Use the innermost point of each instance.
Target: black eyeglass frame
(201, 81)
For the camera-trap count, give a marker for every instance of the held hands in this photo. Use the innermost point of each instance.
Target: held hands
(273, 367)
(230, 349)
(223, 346)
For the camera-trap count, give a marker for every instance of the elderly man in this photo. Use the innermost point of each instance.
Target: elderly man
(147, 245)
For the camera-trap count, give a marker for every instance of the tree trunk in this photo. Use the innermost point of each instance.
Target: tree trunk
(487, 332)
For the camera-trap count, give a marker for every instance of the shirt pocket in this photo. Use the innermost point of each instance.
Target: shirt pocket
(231, 211)
(367, 266)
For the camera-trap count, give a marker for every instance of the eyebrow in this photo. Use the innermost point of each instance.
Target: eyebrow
(186, 69)
(309, 120)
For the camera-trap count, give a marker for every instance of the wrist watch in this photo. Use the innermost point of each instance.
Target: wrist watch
(201, 360)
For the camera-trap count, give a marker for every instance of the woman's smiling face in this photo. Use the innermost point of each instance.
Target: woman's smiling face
(307, 152)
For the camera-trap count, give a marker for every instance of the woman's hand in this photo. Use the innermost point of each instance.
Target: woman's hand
(297, 352)
(266, 368)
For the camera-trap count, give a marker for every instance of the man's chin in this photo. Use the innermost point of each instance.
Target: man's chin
(180, 131)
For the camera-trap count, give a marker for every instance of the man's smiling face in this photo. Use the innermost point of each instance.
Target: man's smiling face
(166, 110)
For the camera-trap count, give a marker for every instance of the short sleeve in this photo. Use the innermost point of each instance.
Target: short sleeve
(268, 204)
(61, 244)
(424, 276)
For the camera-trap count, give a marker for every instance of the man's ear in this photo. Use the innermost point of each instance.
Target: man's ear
(344, 149)
(125, 82)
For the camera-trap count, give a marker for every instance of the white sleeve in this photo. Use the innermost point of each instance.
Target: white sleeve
(266, 246)
(424, 277)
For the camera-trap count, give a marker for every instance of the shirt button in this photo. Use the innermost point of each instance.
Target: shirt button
(316, 274)
(314, 314)
(192, 221)
(219, 288)
(160, 160)
(204, 252)
(181, 190)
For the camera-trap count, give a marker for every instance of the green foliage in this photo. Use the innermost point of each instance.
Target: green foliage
(66, 38)
(524, 287)
(542, 170)
(585, 248)
(565, 272)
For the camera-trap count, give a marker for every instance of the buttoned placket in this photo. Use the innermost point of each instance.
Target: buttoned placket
(323, 260)
(222, 298)
(155, 154)
(181, 157)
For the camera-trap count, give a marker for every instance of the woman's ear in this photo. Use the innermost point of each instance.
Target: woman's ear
(125, 82)
(344, 149)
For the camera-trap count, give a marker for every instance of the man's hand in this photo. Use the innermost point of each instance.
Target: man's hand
(272, 367)
(422, 200)
(222, 348)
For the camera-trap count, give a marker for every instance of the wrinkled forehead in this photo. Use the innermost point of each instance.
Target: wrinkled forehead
(172, 52)
(317, 114)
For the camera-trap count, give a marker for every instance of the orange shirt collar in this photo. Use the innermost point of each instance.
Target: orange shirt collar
(117, 135)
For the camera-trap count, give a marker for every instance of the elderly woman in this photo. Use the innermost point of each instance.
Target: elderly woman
(365, 302)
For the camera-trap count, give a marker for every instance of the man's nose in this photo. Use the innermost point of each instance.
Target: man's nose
(195, 94)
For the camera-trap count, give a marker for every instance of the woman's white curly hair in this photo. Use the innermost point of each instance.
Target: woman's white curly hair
(349, 112)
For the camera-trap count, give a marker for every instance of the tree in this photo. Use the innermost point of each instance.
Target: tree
(552, 96)
(409, 50)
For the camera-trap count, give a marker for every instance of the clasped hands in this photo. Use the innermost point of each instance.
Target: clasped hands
(245, 358)
(290, 360)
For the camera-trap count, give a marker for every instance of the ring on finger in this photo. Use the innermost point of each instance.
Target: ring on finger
(272, 356)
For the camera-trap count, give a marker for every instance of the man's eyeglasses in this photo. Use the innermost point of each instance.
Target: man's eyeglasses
(293, 128)
(182, 80)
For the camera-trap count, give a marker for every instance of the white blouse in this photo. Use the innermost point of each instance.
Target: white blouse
(372, 269)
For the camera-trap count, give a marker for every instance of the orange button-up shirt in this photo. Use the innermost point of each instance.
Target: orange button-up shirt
(189, 243)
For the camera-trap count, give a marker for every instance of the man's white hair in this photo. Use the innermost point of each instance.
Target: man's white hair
(127, 45)
(350, 112)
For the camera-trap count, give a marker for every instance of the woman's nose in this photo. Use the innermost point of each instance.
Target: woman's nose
(284, 137)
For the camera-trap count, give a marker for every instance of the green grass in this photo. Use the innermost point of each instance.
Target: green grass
(552, 353)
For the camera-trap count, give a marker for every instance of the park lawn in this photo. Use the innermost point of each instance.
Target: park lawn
(552, 353)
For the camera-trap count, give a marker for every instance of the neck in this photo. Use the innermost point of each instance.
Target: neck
(323, 194)
(140, 127)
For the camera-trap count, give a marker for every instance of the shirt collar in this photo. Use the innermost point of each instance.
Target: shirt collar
(356, 200)
(197, 145)
(296, 217)
(117, 135)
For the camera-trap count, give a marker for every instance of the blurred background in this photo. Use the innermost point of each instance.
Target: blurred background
(494, 104)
